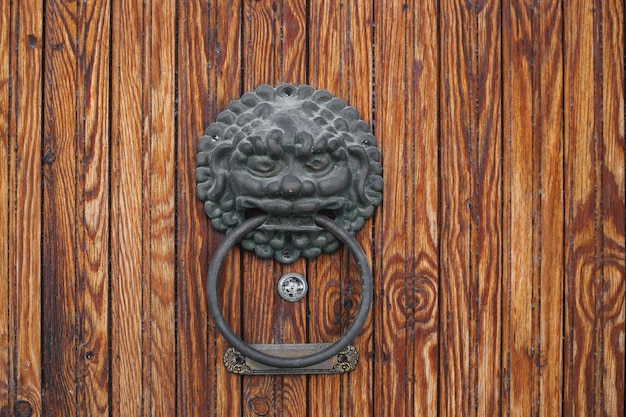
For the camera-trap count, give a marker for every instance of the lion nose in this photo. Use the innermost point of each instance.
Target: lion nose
(290, 186)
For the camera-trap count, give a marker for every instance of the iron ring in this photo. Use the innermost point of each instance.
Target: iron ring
(333, 349)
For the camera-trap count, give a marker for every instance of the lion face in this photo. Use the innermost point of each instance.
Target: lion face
(290, 152)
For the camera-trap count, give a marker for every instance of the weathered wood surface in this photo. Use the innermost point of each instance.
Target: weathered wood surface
(498, 253)
(533, 209)
(21, 46)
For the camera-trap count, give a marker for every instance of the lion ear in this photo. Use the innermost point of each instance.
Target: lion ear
(212, 171)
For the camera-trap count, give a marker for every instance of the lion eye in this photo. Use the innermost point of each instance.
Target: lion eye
(262, 164)
(318, 163)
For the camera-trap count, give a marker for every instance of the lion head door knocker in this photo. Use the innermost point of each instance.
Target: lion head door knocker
(289, 171)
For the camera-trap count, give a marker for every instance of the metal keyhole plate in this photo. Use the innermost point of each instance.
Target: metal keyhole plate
(292, 287)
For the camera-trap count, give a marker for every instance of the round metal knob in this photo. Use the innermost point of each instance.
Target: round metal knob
(292, 287)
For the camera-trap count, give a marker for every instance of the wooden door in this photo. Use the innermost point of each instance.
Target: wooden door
(498, 252)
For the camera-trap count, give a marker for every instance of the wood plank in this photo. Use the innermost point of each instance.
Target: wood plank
(159, 205)
(6, 73)
(76, 153)
(221, 52)
(204, 387)
(225, 74)
(487, 209)
(472, 228)
(395, 230)
(407, 129)
(23, 143)
(521, 167)
(274, 51)
(422, 77)
(549, 136)
(533, 307)
(457, 27)
(582, 223)
(341, 62)
(143, 271)
(613, 211)
(128, 397)
(60, 277)
(93, 202)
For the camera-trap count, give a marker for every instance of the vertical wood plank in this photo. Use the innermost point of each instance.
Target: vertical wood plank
(457, 33)
(549, 139)
(613, 212)
(201, 99)
(60, 329)
(159, 204)
(6, 72)
(533, 209)
(533, 161)
(520, 274)
(195, 380)
(76, 157)
(225, 80)
(21, 134)
(487, 209)
(143, 205)
(93, 200)
(407, 100)
(471, 293)
(340, 60)
(127, 230)
(393, 298)
(274, 51)
(423, 119)
(583, 131)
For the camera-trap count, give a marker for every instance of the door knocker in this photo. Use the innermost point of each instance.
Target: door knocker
(289, 172)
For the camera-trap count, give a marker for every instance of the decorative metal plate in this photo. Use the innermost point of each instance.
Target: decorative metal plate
(292, 287)
(291, 152)
(344, 361)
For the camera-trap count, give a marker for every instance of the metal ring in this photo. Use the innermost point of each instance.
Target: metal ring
(354, 328)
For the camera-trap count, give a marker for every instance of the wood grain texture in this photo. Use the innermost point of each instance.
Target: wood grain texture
(143, 272)
(5, 169)
(93, 196)
(583, 218)
(225, 79)
(198, 389)
(549, 128)
(159, 141)
(457, 28)
(341, 62)
(406, 313)
(520, 203)
(392, 308)
(533, 301)
(21, 82)
(499, 253)
(613, 212)
(128, 394)
(487, 230)
(61, 216)
(76, 190)
(472, 230)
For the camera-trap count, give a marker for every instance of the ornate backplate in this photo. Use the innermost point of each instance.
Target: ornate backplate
(290, 152)
(344, 361)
